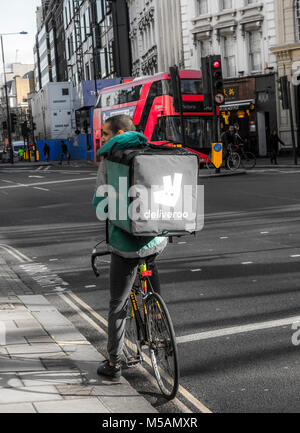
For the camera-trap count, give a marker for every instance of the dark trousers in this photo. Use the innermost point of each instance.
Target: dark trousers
(274, 154)
(122, 277)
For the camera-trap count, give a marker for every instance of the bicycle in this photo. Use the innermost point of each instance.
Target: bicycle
(232, 161)
(248, 159)
(149, 324)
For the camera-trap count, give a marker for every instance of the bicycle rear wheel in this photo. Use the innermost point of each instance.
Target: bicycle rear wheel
(163, 348)
(248, 160)
(209, 164)
(233, 161)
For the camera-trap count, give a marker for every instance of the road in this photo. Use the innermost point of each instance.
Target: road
(233, 292)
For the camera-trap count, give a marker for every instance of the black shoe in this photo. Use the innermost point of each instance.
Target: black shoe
(106, 370)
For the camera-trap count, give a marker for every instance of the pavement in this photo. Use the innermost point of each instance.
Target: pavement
(47, 365)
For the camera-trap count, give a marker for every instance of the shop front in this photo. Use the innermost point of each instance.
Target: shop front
(251, 102)
(239, 107)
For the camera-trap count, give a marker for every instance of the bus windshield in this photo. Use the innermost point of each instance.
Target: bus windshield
(198, 131)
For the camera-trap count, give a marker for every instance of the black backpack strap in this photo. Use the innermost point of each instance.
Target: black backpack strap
(110, 153)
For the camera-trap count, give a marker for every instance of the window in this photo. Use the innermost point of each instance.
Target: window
(65, 92)
(229, 56)
(202, 7)
(297, 19)
(225, 4)
(255, 51)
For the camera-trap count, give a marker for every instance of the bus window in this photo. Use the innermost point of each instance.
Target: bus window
(198, 131)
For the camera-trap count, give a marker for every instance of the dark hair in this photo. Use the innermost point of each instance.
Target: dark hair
(121, 122)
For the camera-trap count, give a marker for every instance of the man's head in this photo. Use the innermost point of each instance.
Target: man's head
(116, 125)
(231, 128)
(236, 126)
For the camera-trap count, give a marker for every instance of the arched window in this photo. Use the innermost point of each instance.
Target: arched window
(297, 19)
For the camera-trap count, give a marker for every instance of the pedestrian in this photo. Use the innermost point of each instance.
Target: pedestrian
(228, 139)
(238, 139)
(120, 132)
(274, 146)
(46, 151)
(64, 153)
(21, 154)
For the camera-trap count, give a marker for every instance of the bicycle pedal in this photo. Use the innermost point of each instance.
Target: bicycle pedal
(133, 363)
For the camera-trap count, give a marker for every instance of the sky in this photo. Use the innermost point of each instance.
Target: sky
(17, 16)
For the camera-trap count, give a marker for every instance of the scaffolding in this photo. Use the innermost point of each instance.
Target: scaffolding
(78, 42)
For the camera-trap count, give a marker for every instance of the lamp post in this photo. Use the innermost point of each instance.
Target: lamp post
(6, 95)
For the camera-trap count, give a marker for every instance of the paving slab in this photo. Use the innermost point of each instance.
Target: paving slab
(83, 353)
(15, 365)
(51, 318)
(39, 339)
(10, 380)
(14, 315)
(37, 303)
(34, 351)
(30, 323)
(29, 394)
(89, 405)
(54, 377)
(128, 404)
(17, 408)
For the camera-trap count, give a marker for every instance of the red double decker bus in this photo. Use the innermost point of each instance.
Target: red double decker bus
(149, 102)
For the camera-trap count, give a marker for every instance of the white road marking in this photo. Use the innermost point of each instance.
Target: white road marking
(186, 394)
(15, 253)
(264, 233)
(41, 189)
(47, 183)
(247, 263)
(238, 330)
(294, 256)
(53, 260)
(196, 270)
(7, 181)
(224, 237)
(90, 287)
(38, 177)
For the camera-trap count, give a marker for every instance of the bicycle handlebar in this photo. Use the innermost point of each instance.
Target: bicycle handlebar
(93, 258)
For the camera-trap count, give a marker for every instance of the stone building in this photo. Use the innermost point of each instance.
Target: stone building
(287, 51)
(155, 33)
(242, 31)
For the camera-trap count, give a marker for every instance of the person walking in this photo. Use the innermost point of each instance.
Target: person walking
(21, 154)
(64, 153)
(274, 146)
(120, 133)
(46, 151)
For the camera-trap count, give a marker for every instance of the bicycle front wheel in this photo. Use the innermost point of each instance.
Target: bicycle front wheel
(131, 347)
(233, 161)
(248, 160)
(163, 348)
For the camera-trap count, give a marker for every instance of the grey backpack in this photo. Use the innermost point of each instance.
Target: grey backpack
(154, 191)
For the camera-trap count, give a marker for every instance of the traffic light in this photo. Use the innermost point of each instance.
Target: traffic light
(283, 91)
(25, 130)
(206, 83)
(4, 125)
(34, 126)
(213, 84)
(13, 121)
(217, 79)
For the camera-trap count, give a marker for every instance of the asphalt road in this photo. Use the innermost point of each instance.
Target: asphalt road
(233, 292)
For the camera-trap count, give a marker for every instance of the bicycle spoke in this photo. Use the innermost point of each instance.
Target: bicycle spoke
(163, 350)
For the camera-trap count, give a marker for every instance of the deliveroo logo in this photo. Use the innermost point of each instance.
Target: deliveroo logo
(171, 192)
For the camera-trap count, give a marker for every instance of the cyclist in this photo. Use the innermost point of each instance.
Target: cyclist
(228, 139)
(126, 249)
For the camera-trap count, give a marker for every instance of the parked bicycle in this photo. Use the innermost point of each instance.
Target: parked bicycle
(232, 161)
(148, 325)
(248, 159)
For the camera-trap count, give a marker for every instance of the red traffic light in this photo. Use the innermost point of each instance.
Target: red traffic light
(217, 64)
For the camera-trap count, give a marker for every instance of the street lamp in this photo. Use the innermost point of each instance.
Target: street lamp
(6, 95)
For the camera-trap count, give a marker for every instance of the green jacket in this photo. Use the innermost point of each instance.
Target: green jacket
(121, 242)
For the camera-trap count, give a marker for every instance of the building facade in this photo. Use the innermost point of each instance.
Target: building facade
(155, 34)
(287, 51)
(242, 32)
